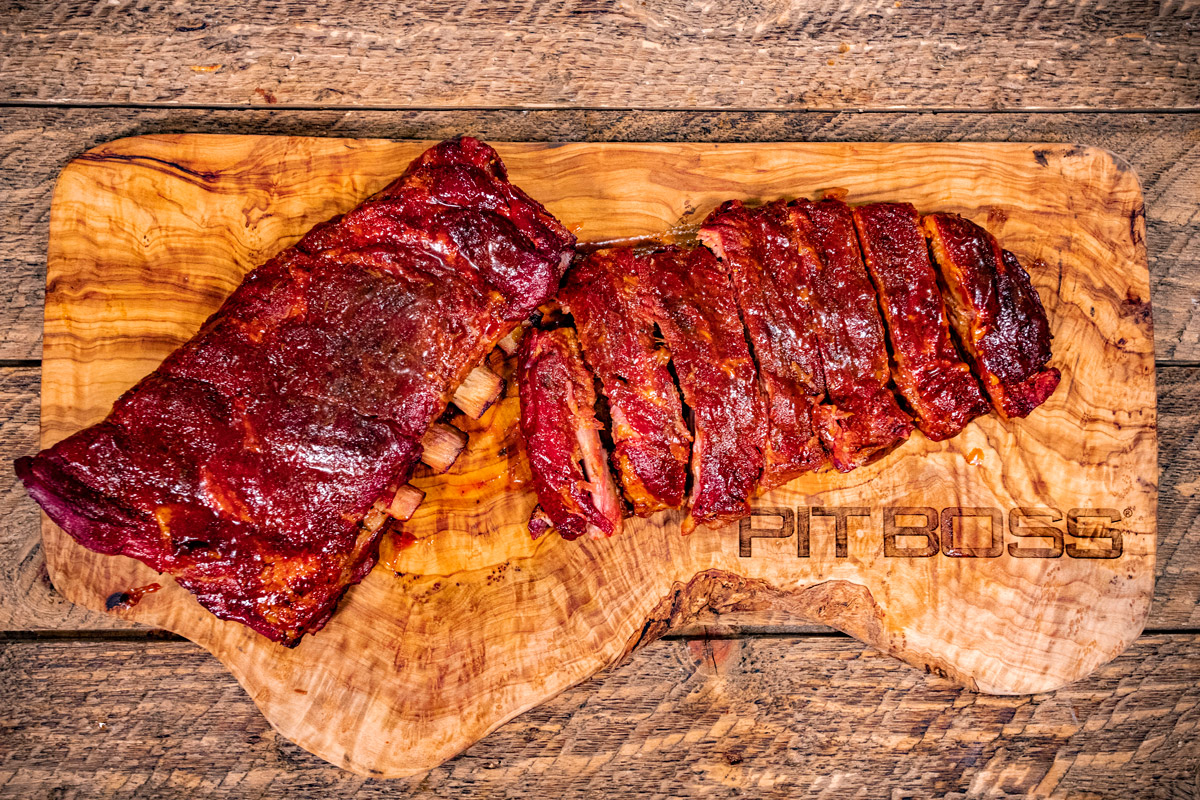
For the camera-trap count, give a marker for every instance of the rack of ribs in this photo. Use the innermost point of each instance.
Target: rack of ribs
(772, 270)
(861, 417)
(692, 302)
(258, 463)
(651, 443)
(929, 373)
(575, 490)
(996, 313)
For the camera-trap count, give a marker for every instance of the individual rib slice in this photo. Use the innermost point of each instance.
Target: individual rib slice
(929, 373)
(247, 464)
(651, 443)
(772, 270)
(575, 490)
(996, 312)
(692, 301)
(861, 417)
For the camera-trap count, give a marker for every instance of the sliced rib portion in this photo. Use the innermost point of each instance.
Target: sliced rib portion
(247, 464)
(651, 443)
(861, 416)
(575, 490)
(996, 313)
(772, 269)
(930, 375)
(692, 301)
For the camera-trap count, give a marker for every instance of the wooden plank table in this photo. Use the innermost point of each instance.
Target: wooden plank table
(730, 706)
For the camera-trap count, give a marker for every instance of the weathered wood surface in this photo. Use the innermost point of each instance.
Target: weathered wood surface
(1127, 733)
(533, 618)
(1164, 149)
(608, 53)
(804, 717)
(1177, 598)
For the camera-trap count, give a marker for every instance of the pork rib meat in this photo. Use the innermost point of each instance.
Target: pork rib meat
(253, 464)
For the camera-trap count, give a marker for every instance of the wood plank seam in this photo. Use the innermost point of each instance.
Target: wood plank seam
(568, 108)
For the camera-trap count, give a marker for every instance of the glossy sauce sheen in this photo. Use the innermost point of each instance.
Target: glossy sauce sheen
(930, 375)
(245, 464)
(861, 416)
(772, 272)
(996, 312)
(651, 443)
(694, 308)
(575, 491)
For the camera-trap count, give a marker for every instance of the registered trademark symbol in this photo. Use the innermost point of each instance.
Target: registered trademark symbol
(1128, 512)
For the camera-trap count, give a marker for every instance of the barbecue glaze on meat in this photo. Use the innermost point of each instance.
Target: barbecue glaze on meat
(255, 463)
(774, 331)
(575, 491)
(694, 307)
(929, 373)
(861, 416)
(772, 270)
(996, 313)
(651, 443)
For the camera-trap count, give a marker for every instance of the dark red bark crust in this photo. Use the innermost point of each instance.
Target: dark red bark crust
(772, 269)
(694, 308)
(861, 416)
(575, 491)
(996, 312)
(245, 464)
(929, 373)
(651, 443)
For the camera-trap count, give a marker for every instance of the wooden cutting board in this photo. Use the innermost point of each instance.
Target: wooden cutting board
(932, 554)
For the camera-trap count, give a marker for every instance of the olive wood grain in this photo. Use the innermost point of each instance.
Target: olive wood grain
(460, 631)
(1164, 149)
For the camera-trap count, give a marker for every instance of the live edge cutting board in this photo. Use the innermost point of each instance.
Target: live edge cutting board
(931, 554)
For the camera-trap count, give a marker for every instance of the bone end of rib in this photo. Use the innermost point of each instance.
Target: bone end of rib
(405, 502)
(508, 345)
(478, 392)
(441, 446)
